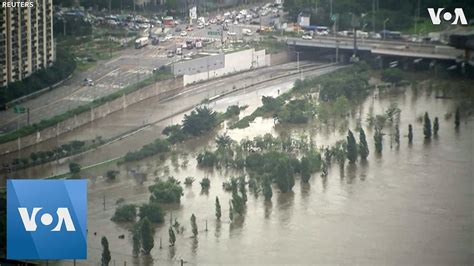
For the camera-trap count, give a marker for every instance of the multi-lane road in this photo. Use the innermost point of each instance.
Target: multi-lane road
(130, 66)
(108, 77)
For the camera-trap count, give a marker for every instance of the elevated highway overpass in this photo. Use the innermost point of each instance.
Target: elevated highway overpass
(379, 47)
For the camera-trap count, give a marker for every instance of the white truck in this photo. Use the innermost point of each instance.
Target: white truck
(141, 42)
(247, 32)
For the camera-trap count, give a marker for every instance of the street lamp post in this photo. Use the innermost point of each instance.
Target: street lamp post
(417, 16)
(298, 64)
(373, 16)
(384, 23)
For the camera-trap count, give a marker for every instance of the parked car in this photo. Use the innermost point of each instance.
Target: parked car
(87, 82)
(183, 33)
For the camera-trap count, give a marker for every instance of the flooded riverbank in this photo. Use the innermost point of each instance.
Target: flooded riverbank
(411, 205)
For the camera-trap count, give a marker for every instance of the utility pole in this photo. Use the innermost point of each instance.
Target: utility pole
(355, 24)
(222, 37)
(330, 8)
(384, 23)
(417, 16)
(335, 38)
(373, 16)
(298, 63)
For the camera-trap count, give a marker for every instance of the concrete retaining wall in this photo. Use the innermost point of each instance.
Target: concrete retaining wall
(280, 58)
(162, 89)
(199, 65)
(234, 62)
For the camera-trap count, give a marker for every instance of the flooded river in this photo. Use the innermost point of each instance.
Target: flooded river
(412, 205)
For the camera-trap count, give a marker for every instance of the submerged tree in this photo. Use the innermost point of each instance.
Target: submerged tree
(231, 211)
(327, 156)
(172, 236)
(194, 227)
(324, 169)
(457, 118)
(351, 147)
(218, 208)
(435, 126)
(339, 151)
(146, 233)
(305, 169)
(378, 138)
(363, 146)
(427, 126)
(242, 188)
(410, 133)
(267, 188)
(136, 242)
(205, 183)
(238, 203)
(105, 251)
(283, 175)
(199, 121)
(397, 135)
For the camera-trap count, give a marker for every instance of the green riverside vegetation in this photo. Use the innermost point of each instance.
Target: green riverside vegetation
(299, 105)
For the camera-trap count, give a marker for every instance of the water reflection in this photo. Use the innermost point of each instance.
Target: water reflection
(364, 167)
(147, 260)
(172, 253)
(218, 226)
(324, 182)
(351, 172)
(268, 205)
(194, 245)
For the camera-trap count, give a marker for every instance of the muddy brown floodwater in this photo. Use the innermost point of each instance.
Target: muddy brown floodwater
(411, 206)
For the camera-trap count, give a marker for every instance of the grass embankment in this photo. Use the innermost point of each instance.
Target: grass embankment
(299, 106)
(162, 74)
(198, 122)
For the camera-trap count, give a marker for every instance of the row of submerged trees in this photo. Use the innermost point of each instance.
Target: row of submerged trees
(266, 160)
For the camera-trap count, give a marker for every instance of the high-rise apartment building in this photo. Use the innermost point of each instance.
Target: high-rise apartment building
(26, 40)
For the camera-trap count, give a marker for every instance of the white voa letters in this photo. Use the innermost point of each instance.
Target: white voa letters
(447, 16)
(29, 221)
